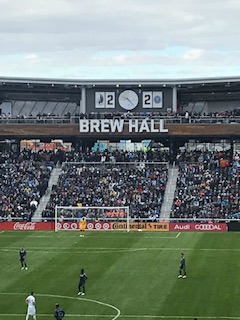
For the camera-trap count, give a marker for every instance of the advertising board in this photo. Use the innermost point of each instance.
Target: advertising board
(144, 226)
(200, 227)
(100, 225)
(24, 226)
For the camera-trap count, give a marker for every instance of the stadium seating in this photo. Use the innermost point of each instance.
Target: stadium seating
(208, 185)
(140, 185)
(24, 179)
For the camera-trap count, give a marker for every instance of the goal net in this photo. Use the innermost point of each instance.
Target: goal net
(98, 218)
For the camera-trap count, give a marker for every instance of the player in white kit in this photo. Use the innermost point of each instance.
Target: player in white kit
(31, 310)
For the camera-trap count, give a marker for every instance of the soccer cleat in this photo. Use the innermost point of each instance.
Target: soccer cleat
(79, 293)
(22, 268)
(180, 276)
(83, 294)
(184, 276)
(26, 268)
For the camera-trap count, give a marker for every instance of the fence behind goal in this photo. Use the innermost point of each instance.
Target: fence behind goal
(98, 218)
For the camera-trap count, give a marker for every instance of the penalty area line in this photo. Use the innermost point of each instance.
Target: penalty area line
(178, 235)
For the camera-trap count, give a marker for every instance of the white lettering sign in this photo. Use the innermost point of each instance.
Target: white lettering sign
(118, 125)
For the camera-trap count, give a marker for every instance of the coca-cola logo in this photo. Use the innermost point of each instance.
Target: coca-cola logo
(24, 226)
(182, 227)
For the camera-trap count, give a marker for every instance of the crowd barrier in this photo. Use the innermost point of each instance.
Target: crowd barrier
(104, 225)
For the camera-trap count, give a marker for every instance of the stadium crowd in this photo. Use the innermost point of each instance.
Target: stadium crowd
(117, 156)
(208, 185)
(139, 185)
(24, 180)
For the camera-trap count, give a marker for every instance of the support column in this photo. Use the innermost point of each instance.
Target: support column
(174, 99)
(83, 104)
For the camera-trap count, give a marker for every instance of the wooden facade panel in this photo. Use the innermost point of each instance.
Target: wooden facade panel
(204, 129)
(72, 130)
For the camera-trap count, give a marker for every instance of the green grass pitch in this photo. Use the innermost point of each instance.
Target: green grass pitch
(130, 275)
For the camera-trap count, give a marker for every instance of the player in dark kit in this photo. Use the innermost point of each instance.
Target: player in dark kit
(23, 254)
(59, 313)
(182, 269)
(82, 281)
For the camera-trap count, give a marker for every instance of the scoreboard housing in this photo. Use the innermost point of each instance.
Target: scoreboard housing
(129, 99)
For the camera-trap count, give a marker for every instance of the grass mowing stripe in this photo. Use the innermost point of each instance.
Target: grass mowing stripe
(141, 284)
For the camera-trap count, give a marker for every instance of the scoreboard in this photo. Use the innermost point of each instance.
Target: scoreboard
(129, 99)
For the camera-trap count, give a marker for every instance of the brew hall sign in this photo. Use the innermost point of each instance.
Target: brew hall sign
(121, 125)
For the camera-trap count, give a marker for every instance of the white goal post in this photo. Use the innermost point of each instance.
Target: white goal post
(98, 218)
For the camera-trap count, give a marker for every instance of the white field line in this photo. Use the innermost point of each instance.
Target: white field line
(113, 317)
(176, 317)
(178, 235)
(119, 315)
(124, 316)
(113, 250)
(79, 251)
(88, 235)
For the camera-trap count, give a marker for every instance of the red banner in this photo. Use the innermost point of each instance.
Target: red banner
(173, 226)
(16, 226)
(90, 225)
(202, 227)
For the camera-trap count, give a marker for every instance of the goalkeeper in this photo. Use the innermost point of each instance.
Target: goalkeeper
(82, 226)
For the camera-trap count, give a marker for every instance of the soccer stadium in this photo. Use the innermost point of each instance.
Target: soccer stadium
(153, 168)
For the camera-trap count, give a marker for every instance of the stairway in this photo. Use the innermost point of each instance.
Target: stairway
(169, 193)
(45, 198)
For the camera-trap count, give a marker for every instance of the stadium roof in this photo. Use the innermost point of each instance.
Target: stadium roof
(104, 82)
